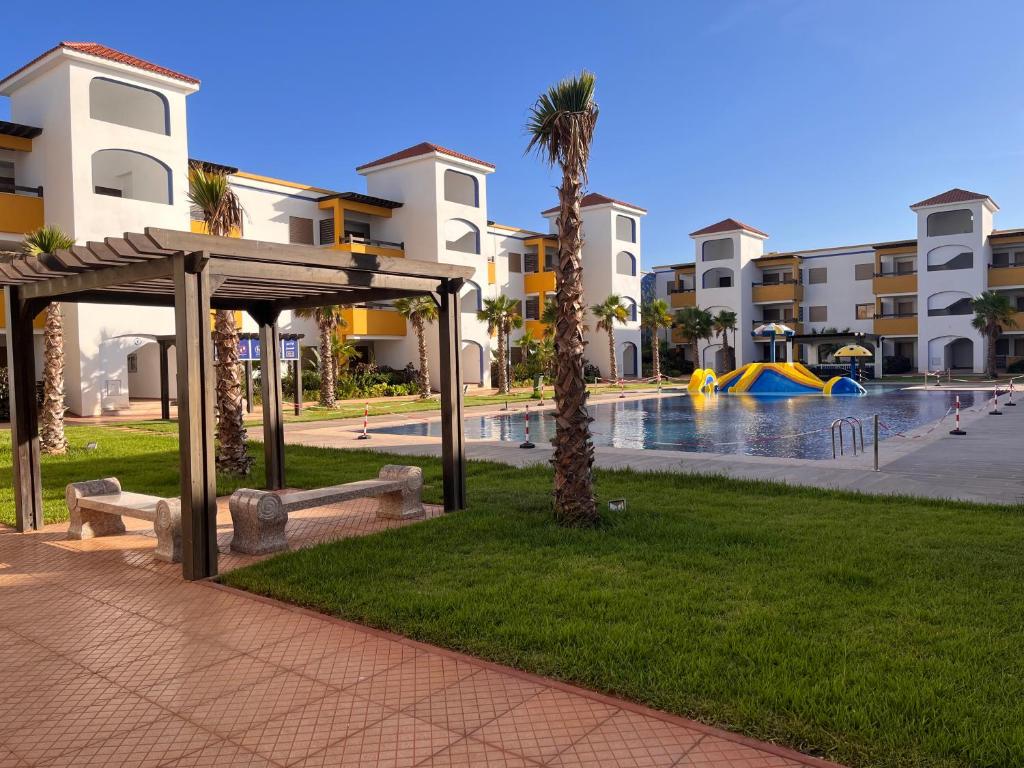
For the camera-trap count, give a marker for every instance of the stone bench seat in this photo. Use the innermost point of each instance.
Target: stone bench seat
(259, 517)
(96, 508)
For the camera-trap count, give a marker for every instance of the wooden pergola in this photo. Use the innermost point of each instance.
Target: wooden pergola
(194, 273)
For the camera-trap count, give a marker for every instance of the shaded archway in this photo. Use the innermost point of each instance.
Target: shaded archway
(472, 363)
(630, 360)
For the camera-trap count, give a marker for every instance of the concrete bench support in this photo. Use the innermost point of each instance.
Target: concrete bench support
(97, 508)
(259, 517)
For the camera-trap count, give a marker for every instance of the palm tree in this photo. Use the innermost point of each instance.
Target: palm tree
(696, 325)
(222, 212)
(655, 317)
(420, 311)
(992, 313)
(722, 323)
(561, 127)
(328, 319)
(45, 240)
(608, 313)
(549, 316)
(502, 316)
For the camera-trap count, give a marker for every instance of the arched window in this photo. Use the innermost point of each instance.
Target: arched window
(461, 188)
(461, 235)
(949, 257)
(949, 303)
(717, 250)
(131, 175)
(116, 102)
(719, 277)
(471, 299)
(625, 229)
(630, 305)
(625, 263)
(629, 359)
(942, 223)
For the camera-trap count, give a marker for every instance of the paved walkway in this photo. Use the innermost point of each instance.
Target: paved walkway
(111, 664)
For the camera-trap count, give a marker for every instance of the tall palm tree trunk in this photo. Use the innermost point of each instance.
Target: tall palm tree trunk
(326, 363)
(51, 422)
(573, 457)
(232, 455)
(502, 362)
(656, 355)
(993, 336)
(424, 374)
(612, 362)
(696, 354)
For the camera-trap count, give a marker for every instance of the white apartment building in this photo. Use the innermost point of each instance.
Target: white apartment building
(98, 145)
(914, 294)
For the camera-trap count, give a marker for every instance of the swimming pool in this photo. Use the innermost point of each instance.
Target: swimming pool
(795, 426)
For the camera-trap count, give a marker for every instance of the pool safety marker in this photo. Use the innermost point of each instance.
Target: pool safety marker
(995, 402)
(622, 389)
(1010, 402)
(957, 430)
(366, 416)
(527, 443)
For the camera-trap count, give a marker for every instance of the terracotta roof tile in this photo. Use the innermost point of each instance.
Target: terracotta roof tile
(103, 52)
(423, 148)
(593, 198)
(727, 225)
(955, 195)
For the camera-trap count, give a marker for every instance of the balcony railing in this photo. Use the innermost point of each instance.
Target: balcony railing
(893, 273)
(678, 289)
(348, 239)
(1005, 275)
(782, 281)
(15, 189)
(881, 315)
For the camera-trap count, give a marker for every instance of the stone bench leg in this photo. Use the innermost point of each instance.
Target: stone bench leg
(406, 503)
(85, 523)
(167, 527)
(258, 519)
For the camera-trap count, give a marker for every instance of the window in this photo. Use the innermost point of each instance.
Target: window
(115, 102)
(817, 275)
(1000, 259)
(906, 307)
(717, 250)
(818, 314)
(462, 236)
(949, 303)
(471, 300)
(949, 257)
(530, 263)
(327, 231)
(359, 230)
(865, 311)
(7, 176)
(133, 363)
(625, 229)
(864, 271)
(131, 175)
(461, 188)
(550, 257)
(625, 263)
(300, 230)
(532, 308)
(515, 262)
(719, 277)
(950, 223)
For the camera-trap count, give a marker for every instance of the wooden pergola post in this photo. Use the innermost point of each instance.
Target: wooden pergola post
(165, 384)
(453, 439)
(298, 384)
(194, 347)
(248, 386)
(28, 495)
(273, 407)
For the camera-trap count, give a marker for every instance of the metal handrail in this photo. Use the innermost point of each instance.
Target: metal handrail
(855, 427)
(677, 289)
(370, 241)
(895, 274)
(13, 189)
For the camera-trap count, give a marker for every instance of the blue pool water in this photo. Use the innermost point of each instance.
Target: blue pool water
(755, 425)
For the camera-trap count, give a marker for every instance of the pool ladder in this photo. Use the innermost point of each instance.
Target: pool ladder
(856, 430)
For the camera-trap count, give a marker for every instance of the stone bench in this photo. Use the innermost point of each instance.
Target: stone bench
(259, 517)
(95, 508)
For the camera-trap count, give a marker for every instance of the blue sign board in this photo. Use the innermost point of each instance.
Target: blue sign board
(289, 349)
(249, 349)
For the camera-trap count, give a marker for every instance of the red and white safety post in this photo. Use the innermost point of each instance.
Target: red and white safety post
(1010, 401)
(366, 416)
(622, 389)
(526, 443)
(995, 402)
(957, 430)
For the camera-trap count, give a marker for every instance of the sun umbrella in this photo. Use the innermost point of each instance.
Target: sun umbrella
(853, 351)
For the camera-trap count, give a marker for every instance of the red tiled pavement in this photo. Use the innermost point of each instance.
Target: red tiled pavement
(112, 660)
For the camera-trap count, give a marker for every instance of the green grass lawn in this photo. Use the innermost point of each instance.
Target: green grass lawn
(876, 632)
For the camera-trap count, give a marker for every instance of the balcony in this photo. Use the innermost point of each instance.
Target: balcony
(896, 324)
(356, 244)
(539, 282)
(364, 321)
(678, 298)
(21, 209)
(785, 290)
(1006, 277)
(891, 283)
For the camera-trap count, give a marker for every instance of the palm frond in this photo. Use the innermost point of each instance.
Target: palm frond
(561, 123)
(47, 239)
(212, 194)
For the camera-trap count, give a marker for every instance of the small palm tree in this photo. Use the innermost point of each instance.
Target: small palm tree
(502, 316)
(561, 129)
(608, 313)
(420, 311)
(328, 319)
(549, 316)
(656, 317)
(993, 312)
(222, 212)
(45, 240)
(696, 325)
(722, 323)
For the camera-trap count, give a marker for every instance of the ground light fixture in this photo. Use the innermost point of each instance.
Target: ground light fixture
(616, 505)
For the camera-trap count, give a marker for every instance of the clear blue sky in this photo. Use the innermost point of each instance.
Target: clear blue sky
(816, 121)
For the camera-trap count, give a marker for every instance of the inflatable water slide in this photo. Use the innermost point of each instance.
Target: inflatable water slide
(781, 379)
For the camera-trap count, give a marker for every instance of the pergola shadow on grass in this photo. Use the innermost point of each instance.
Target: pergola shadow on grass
(194, 274)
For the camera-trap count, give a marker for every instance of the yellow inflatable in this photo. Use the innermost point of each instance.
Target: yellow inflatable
(703, 380)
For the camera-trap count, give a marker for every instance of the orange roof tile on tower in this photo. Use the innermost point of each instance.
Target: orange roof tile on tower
(103, 52)
(423, 148)
(594, 198)
(954, 195)
(727, 225)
